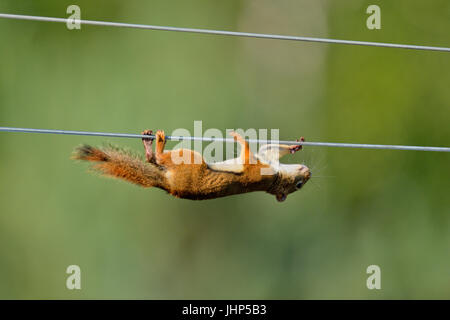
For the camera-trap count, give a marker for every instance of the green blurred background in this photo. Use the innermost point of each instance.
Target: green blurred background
(362, 207)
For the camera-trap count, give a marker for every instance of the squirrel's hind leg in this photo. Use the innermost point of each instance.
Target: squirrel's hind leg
(246, 156)
(160, 144)
(149, 155)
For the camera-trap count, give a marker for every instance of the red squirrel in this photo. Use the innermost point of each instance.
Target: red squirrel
(198, 180)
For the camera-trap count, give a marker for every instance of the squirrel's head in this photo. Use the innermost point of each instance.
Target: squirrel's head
(290, 178)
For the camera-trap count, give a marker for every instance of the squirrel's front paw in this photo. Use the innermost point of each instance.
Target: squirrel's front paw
(295, 148)
(237, 136)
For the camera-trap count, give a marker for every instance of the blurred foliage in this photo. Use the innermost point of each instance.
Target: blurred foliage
(362, 207)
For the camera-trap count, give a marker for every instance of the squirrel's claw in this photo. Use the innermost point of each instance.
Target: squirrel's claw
(234, 134)
(147, 133)
(293, 149)
(237, 137)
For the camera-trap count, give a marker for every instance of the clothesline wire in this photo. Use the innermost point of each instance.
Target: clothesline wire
(211, 139)
(222, 32)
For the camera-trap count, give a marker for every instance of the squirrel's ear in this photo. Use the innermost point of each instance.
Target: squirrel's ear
(281, 197)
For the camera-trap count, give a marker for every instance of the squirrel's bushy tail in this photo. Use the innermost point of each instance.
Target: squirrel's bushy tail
(117, 163)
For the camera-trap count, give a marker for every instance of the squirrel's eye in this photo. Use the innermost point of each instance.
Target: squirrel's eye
(299, 184)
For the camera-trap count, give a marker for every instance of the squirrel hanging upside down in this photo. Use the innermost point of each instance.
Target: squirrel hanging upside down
(196, 179)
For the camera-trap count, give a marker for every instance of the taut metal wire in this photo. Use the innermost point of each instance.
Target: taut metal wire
(179, 138)
(223, 33)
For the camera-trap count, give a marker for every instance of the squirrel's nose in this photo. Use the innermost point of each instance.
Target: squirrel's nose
(306, 172)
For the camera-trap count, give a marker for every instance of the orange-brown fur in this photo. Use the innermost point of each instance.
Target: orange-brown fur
(192, 180)
(117, 163)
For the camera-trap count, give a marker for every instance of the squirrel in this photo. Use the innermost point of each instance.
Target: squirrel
(198, 180)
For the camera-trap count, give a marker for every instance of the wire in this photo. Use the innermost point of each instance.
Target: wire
(226, 33)
(222, 32)
(179, 138)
